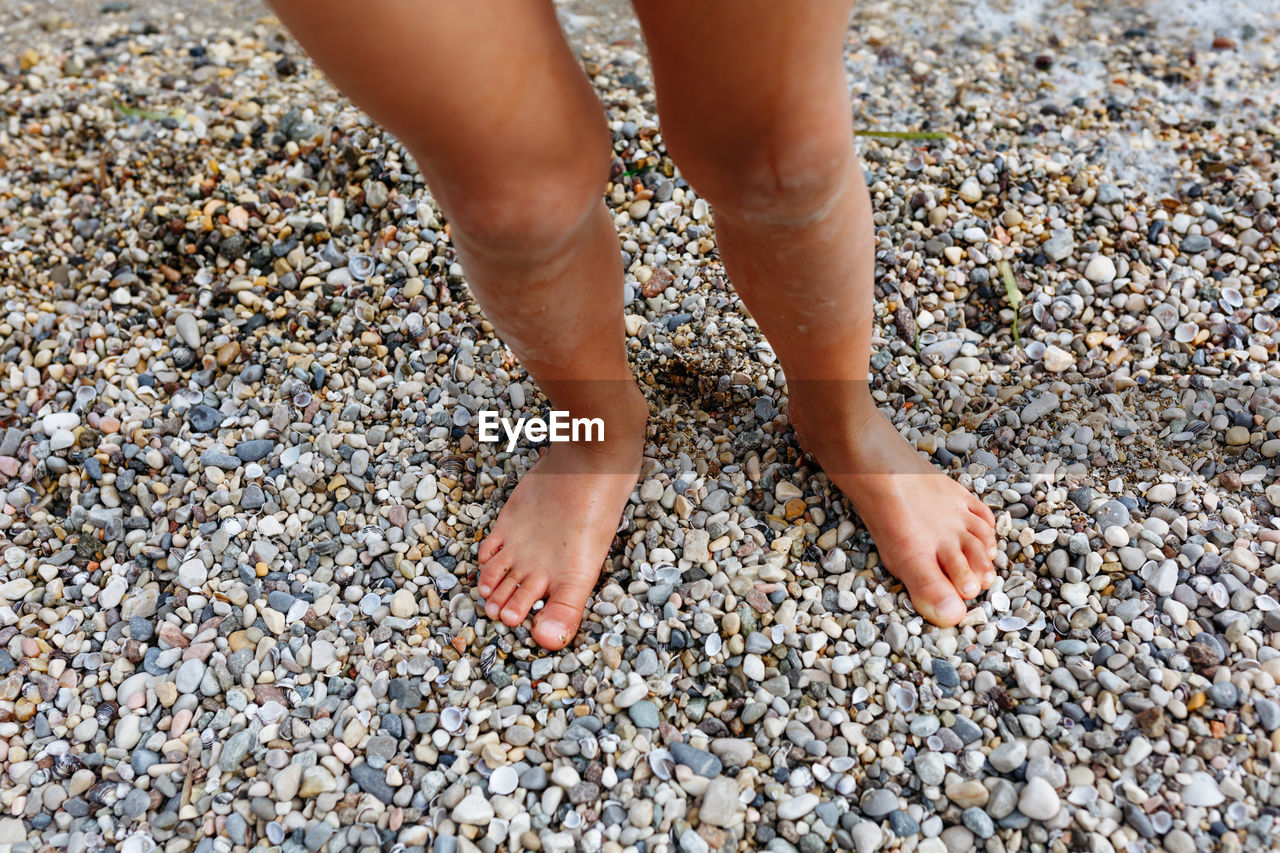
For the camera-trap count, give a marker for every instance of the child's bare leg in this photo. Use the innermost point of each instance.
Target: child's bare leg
(512, 141)
(755, 109)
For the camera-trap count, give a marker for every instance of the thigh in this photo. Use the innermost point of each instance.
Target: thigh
(476, 89)
(735, 74)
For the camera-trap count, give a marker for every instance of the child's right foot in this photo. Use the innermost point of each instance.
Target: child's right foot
(553, 535)
(933, 534)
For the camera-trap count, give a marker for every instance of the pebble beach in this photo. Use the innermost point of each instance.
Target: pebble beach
(241, 492)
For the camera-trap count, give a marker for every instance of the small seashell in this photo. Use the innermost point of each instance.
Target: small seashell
(1035, 350)
(646, 620)
(904, 696)
(713, 645)
(452, 719)
(1218, 595)
(860, 695)
(1082, 795)
(503, 780)
(360, 267)
(445, 581)
(1264, 323)
(275, 832)
(451, 467)
(666, 573)
(1238, 812)
(662, 763)
(138, 842)
(106, 712)
(777, 633)
(414, 327)
(572, 820)
(1011, 623)
(1161, 822)
(1231, 296)
(182, 357)
(1266, 603)
(1185, 333)
(67, 765)
(488, 660)
(102, 794)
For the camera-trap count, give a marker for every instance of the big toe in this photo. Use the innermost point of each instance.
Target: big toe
(933, 594)
(557, 622)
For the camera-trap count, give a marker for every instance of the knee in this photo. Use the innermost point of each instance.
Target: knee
(526, 210)
(784, 174)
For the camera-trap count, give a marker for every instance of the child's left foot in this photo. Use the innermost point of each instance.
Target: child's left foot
(553, 535)
(932, 533)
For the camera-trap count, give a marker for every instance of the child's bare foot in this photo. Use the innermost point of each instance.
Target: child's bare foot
(932, 533)
(553, 535)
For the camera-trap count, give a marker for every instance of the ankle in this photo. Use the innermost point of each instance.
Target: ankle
(623, 412)
(845, 402)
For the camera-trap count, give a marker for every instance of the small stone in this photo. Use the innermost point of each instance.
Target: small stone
(878, 802)
(1059, 246)
(189, 675)
(1194, 244)
(1101, 270)
(316, 780)
(720, 805)
(474, 809)
(255, 450)
(931, 769)
(797, 807)
(699, 761)
(204, 418)
(1237, 436)
(1057, 359)
(1268, 713)
(1008, 756)
(644, 714)
(403, 604)
(1038, 800)
(372, 781)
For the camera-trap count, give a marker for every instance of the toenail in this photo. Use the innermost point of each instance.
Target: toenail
(484, 590)
(970, 589)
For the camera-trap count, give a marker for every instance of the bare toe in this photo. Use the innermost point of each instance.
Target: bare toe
(956, 565)
(522, 600)
(491, 545)
(981, 510)
(933, 594)
(985, 532)
(979, 560)
(558, 621)
(492, 573)
(495, 602)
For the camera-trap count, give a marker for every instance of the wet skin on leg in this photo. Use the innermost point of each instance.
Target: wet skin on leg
(512, 141)
(754, 107)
